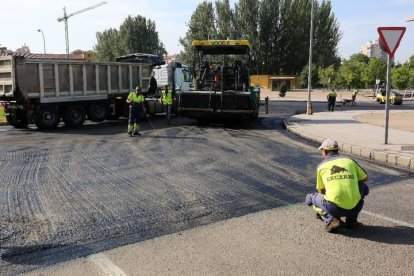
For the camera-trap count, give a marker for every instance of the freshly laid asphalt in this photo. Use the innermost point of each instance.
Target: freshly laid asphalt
(255, 244)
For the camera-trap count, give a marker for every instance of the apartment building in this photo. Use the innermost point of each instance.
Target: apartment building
(373, 49)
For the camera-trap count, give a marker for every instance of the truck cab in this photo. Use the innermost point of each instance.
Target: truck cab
(174, 74)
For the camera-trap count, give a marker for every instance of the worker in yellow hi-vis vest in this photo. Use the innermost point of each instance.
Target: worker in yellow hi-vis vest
(167, 100)
(136, 108)
(340, 182)
(331, 100)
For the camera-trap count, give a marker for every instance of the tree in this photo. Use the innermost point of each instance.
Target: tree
(139, 35)
(359, 57)
(135, 35)
(225, 27)
(107, 47)
(400, 77)
(277, 30)
(327, 36)
(201, 26)
(269, 45)
(247, 21)
(350, 73)
(326, 75)
(304, 76)
(375, 69)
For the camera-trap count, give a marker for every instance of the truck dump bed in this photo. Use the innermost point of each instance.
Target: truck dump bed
(54, 81)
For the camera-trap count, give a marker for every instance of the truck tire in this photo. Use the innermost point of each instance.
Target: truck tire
(97, 112)
(74, 116)
(17, 122)
(47, 117)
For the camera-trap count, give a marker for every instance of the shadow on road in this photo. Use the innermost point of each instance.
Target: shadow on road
(43, 254)
(383, 234)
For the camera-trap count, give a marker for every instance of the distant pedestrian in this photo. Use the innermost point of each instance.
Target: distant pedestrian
(354, 94)
(153, 84)
(341, 188)
(136, 110)
(331, 100)
(167, 100)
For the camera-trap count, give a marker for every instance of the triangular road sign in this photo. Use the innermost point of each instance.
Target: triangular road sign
(390, 38)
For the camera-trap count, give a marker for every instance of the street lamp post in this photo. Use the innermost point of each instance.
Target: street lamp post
(309, 104)
(44, 42)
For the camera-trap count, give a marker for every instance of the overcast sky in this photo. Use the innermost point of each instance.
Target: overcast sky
(20, 21)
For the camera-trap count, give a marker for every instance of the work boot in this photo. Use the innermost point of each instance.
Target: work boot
(137, 133)
(130, 134)
(333, 225)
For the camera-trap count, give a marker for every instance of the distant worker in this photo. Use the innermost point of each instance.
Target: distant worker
(136, 110)
(341, 187)
(167, 100)
(153, 84)
(331, 100)
(354, 94)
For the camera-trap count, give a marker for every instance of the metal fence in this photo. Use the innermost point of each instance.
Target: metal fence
(408, 94)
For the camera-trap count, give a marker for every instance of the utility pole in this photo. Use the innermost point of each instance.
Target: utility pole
(65, 17)
(309, 103)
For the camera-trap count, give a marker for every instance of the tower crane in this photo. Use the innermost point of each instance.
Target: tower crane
(65, 19)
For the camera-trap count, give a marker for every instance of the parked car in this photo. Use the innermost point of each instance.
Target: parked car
(395, 97)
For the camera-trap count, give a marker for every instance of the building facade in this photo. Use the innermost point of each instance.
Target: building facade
(373, 49)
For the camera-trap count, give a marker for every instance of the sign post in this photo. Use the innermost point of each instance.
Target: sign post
(390, 38)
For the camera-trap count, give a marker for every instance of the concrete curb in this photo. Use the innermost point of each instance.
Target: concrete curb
(378, 156)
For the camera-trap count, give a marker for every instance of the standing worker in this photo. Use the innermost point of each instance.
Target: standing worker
(167, 101)
(354, 94)
(331, 100)
(136, 108)
(153, 84)
(341, 187)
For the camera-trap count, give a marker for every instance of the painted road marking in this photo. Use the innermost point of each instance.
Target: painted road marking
(107, 266)
(403, 223)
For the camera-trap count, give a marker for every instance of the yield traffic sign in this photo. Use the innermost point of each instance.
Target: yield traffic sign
(390, 38)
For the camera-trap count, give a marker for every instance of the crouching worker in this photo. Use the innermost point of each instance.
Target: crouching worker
(341, 187)
(136, 108)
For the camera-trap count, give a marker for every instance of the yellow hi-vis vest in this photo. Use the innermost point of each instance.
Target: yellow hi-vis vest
(167, 97)
(339, 177)
(136, 98)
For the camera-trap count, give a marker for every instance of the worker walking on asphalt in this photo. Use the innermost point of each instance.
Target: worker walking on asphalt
(354, 94)
(136, 110)
(167, 101)
(331, 100)
(341, 187)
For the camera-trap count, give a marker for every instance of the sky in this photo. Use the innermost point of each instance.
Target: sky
(21, 19)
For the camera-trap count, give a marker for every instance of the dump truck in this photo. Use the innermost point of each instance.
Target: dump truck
(222, 83)
(46, 91)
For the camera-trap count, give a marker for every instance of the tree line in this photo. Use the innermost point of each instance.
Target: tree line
(278, 32)
(360, 71)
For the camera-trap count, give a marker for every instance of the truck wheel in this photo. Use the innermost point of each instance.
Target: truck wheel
(46, 117)
(17, 123)
(97, 112)
(74, 116)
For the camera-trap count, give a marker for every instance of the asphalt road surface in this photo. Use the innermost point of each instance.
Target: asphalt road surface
(73, 192)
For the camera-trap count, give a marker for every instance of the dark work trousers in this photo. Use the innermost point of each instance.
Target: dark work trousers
(134, 118)
(331, 103)
(331, 209)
